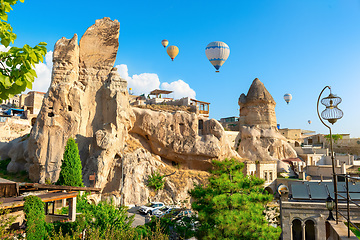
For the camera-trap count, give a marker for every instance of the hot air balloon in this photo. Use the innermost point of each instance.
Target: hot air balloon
(309, 121)
(287, 98)
(172, 51)
(164, 43)
(217, 53)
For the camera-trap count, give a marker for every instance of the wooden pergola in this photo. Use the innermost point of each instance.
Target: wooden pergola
(157, 92)
(54, 197)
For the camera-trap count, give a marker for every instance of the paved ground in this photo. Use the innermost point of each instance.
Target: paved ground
(139, 218)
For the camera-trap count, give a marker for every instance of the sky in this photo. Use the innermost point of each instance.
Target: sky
(292, 46)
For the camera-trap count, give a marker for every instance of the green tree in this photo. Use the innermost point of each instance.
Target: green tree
(231, 206)
(71, 169)
(16, 65)
(34, 210)
(335, 137)
(156, 181)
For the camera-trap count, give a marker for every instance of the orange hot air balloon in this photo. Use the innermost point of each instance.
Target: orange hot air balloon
(165, 43)
(172, 51)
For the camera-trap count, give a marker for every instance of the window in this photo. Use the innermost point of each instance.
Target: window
(270, 176)
(265, 175)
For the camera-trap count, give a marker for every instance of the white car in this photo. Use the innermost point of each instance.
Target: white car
(164, 210)
(150, 207)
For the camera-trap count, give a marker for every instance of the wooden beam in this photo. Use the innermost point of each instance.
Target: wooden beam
(58, 187)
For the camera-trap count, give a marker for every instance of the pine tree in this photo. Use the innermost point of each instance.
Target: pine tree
(231, 205)
(34, 210)
(71, 169)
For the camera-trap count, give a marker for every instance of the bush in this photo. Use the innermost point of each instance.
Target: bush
(5, 222)
(34, 210)
(71, 169)
(156, 181)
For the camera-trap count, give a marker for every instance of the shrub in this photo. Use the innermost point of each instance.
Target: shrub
(156, 181)
(71, 169)
(35, 217)
(5, 222)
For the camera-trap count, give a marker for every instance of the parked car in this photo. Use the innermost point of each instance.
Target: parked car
(150, 207)
(163, 211)
(176, 214)
(189, 222)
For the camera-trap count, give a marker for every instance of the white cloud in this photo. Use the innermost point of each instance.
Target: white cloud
(142, 83)
(3, 48)
(146, 82)
(43, 71)
(180, 89)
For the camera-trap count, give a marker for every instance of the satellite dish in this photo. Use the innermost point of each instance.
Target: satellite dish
(282, 189)
(308, 178)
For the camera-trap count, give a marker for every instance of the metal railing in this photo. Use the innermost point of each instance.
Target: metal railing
(348, 201)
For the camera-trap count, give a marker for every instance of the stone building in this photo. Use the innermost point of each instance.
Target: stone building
(14, 101)
(230, 123)
(303, 210)
(266, 170)
(32, 101)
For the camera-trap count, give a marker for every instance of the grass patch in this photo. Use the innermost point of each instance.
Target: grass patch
(354, 230)
(21, 176)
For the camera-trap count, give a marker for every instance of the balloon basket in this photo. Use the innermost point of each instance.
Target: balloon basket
(217, 71)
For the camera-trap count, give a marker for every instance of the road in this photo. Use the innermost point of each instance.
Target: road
(139, 218)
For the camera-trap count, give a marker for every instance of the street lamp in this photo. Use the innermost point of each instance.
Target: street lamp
(331, 113)
(330, 206)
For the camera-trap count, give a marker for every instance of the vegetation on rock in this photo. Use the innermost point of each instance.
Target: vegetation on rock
(5, 222)
(156, 181)
(16, 65)
(21, 176)
(71, 169)
(34, 210)
(231, 206)
(335, 137)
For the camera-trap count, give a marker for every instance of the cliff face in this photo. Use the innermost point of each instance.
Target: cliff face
(87, 100)
(259, 138)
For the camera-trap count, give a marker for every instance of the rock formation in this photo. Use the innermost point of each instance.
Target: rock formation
(257, 107)
(258, 138)
(177, 137)
(89, 101)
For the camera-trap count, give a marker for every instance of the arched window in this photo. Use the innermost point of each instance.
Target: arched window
(309, 230)
(296, 230)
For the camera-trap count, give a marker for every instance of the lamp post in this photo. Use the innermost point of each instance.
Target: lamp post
(330, 206)
(331, 113)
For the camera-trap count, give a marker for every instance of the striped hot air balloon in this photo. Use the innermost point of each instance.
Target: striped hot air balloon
(172, 51)
(165, 43)
(217, 53)
(287, 98)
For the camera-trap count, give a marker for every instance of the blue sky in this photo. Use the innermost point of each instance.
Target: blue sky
(292, 46)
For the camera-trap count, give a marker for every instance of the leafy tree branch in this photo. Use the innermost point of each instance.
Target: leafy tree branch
(17, 64)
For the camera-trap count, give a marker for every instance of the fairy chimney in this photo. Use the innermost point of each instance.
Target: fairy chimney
(257, 108)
